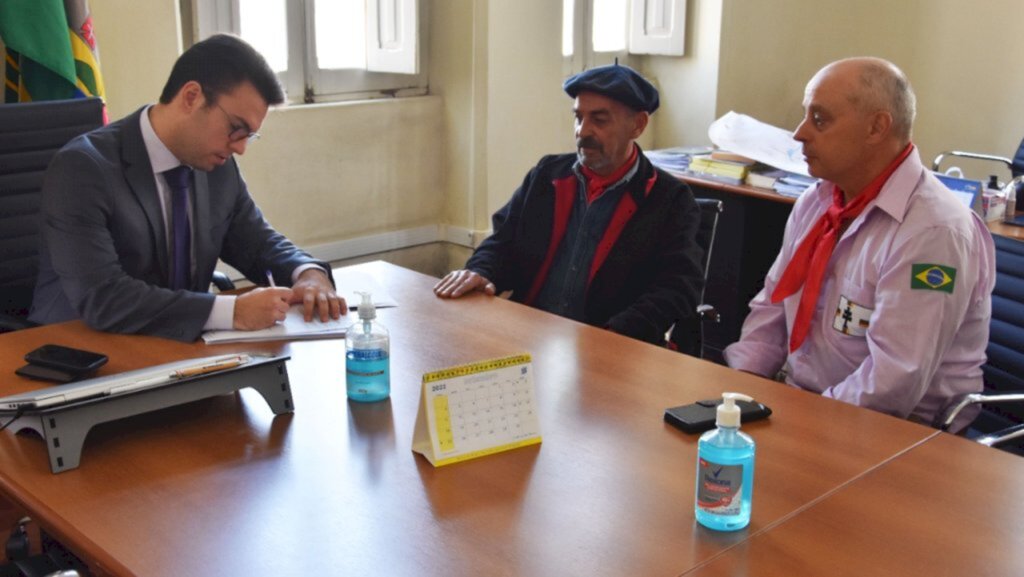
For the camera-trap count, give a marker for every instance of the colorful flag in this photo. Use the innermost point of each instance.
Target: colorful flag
(932, 277)
(50, 50)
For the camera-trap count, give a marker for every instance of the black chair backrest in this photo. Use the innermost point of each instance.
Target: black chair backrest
(1017, 168)
(30, 134)
(1004, 369)
(687, 334)
(710, 208)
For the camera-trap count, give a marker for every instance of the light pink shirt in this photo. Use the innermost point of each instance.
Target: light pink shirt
(904, 351)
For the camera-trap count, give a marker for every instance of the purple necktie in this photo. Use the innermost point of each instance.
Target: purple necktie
(181, 235)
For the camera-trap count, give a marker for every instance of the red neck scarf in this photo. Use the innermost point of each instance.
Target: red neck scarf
(597, 183)
(807, 267)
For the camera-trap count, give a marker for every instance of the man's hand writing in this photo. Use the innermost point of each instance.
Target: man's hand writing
(261, 308)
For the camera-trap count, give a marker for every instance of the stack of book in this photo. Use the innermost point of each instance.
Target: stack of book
(781, 181)
(729, 168)
(766, 178)
(793, 184)
(674, 161)
(721, 167)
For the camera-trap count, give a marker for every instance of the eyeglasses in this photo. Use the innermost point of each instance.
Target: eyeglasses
(239, 132)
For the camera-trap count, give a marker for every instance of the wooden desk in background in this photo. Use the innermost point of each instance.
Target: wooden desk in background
(222, 487)
(1007, 230)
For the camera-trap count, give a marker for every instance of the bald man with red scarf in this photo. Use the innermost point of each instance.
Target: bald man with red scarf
(881, 295)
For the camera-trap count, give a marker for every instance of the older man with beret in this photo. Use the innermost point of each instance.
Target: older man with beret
(600, 236)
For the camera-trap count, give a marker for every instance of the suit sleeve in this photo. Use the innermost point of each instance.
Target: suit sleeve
(251, 245)
(78, 210)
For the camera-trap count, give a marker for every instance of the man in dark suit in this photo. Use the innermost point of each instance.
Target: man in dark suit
(600, 236)
(136, 214)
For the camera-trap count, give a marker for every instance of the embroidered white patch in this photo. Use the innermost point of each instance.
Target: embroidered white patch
(851, 318)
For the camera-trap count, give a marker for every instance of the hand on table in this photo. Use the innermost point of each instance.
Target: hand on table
(459, 282)
(316, 293)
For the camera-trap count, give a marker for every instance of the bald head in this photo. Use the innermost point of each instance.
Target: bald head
(857, 120)
(875, 85)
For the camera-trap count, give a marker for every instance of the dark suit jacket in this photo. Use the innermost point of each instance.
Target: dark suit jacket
(652, 276)
(103, 253)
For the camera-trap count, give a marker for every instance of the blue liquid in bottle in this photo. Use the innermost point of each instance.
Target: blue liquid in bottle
(367, 356)
(725, 479)
(725, 470)
(367, 374)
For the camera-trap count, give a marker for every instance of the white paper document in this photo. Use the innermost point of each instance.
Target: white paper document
(295, 327)
(762, 142)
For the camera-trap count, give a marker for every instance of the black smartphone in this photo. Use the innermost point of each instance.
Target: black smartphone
(700, 416)
(41, 373)
(75, 361)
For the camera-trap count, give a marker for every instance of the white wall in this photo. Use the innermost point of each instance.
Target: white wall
(961, 58)
(689, 84)
(528, 114)
(138, 44)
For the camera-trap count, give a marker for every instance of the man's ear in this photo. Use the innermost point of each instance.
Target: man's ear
(880, 127)
(190, 96)
(640, 123)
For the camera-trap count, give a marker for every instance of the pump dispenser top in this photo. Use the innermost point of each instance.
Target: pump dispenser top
(367, 310)
(728, 414)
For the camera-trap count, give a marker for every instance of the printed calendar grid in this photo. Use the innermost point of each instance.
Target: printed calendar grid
(479, 409)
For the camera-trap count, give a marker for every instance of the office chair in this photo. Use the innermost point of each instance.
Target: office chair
(687, 335)
(1001, 421)
(1015, 165)
(30, 134)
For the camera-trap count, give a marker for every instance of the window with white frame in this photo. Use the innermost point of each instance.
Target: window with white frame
(595, 31)
(328, 49)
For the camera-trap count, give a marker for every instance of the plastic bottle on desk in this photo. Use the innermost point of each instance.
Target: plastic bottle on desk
(1012, 193)
(993, 200)
(725, 470)
(367, 356)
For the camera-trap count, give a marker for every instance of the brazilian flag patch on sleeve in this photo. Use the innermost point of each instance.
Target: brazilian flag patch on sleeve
(933, 277)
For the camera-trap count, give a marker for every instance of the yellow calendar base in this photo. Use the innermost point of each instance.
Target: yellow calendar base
(475, 410)
(426, 452)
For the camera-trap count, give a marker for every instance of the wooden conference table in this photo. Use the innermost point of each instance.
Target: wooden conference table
(222, 487)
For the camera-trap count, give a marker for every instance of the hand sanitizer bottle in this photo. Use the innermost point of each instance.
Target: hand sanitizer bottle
(725, 470)
(367, 356)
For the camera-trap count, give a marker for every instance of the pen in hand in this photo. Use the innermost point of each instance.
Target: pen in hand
(270, 279)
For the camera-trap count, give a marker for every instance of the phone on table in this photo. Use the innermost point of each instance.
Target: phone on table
(700, 416)
(59, 363)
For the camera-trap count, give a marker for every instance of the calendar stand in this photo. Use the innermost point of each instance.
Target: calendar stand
(474, 410)
(64, 428)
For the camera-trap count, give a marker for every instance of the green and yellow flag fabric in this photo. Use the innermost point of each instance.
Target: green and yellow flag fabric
(50, 50)
(934, 277)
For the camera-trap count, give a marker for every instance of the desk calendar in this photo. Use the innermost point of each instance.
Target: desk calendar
(477, 409)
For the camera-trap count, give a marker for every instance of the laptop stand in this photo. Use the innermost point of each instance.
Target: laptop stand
(64, 427)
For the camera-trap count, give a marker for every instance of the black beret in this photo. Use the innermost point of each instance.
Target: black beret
(617, 82)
